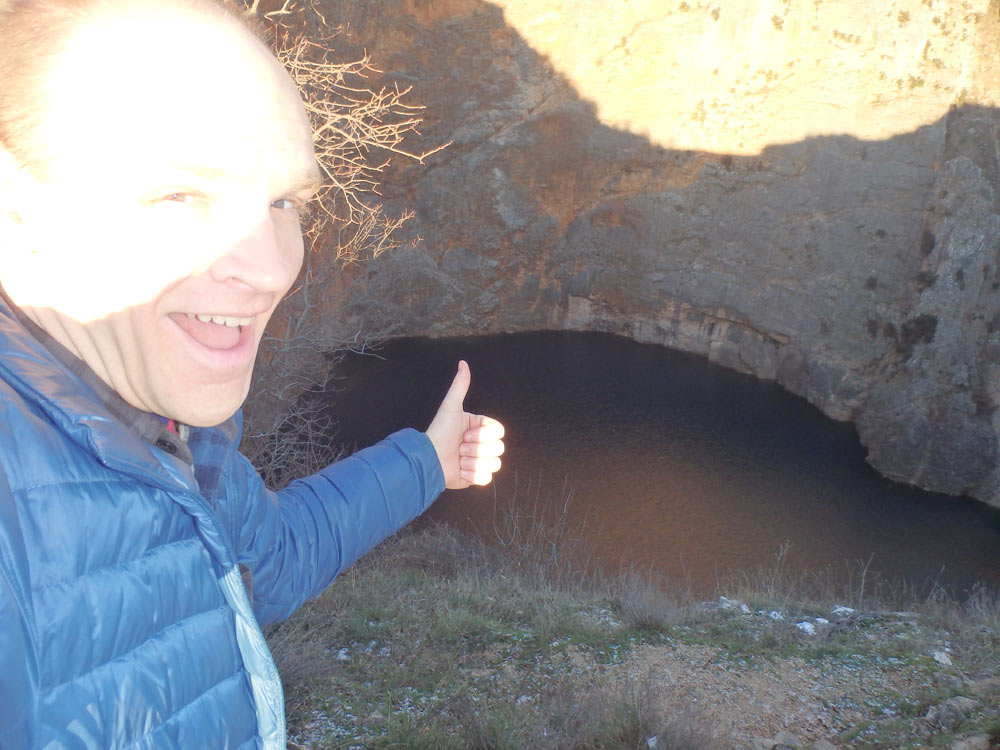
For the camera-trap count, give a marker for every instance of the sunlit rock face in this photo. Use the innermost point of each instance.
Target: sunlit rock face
(808, 192)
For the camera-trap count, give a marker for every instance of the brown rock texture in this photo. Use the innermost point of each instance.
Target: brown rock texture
(808, 192)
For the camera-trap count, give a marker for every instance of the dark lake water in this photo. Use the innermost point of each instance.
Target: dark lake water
(675, 463)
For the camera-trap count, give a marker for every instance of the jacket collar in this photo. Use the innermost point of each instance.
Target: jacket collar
(74, 407)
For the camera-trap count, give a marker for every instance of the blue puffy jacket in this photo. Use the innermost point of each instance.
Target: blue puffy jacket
(124, 621)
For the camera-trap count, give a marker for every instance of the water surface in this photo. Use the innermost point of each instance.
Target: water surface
(675, 462)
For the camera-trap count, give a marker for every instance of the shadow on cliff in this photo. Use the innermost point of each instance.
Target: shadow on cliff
(862, 275)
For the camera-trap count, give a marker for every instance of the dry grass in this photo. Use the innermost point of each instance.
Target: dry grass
(646, 600)
(974, 625)
(497, 662)
(543, 539)
(437, 640)
(615, 713)
(777, 585)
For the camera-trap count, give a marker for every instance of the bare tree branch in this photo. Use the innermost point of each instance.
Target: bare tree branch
(357, 129)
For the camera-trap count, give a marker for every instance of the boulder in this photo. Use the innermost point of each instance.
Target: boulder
(972, 742)
(948, 714)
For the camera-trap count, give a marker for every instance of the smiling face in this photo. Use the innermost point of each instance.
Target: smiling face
(163, 226)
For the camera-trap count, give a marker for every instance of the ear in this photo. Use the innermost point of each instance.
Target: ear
(13, 237)
(10, 176)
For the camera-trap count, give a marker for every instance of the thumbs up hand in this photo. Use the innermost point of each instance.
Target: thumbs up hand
(468, 446)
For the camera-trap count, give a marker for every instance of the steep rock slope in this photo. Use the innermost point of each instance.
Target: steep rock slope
(810, 194)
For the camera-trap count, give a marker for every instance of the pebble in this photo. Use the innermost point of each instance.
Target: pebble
(725, 603)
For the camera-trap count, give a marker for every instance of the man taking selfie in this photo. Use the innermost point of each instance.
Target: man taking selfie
(154, 158)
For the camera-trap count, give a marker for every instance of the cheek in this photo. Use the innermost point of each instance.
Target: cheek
(292, 249)
(174, 244)
(89, 267)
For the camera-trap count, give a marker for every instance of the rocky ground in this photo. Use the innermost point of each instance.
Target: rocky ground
(842, 688)
(430, 643)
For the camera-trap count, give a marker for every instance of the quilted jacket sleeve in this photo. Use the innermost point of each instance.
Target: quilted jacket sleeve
(297, 540)
(18, 666)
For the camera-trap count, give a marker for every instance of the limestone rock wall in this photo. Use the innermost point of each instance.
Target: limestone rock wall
(808, 192)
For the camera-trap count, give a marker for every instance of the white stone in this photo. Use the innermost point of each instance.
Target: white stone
(806, 627)
(941, 657)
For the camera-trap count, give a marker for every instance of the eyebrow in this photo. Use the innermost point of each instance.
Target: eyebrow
(310, 183)
(209, 173)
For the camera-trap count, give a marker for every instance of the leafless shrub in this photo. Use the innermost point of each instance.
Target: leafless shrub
(544, 548)
(648, 601)
(620, 714)
(358, 127)
(356, 131)
(299, 445)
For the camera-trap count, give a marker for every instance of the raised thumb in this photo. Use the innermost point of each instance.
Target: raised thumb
(455, 397)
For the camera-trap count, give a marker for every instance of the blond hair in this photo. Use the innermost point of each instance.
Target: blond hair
(33, 33)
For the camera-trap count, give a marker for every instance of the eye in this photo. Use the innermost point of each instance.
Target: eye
(179, 196)
(289, 204)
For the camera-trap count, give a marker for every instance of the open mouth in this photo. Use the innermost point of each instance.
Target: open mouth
(213, 331)
(222, 320)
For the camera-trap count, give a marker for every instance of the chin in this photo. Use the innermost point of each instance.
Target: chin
(202, 420)
(210, 407)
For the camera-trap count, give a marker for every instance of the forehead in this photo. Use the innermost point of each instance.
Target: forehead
(144, 90)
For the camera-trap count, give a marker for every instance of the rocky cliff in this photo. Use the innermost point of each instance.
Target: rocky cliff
(807, 192)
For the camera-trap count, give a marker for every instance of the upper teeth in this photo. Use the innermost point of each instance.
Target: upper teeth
(222, 320)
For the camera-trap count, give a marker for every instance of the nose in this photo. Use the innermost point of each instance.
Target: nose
(265, 258)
